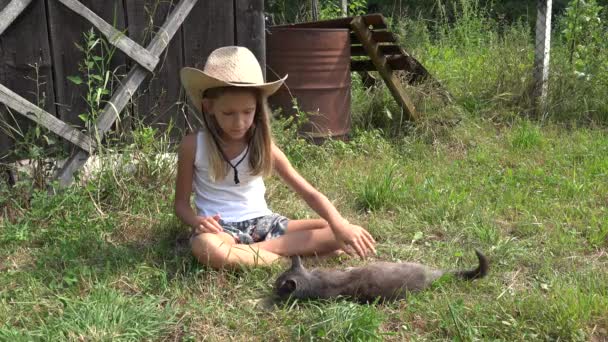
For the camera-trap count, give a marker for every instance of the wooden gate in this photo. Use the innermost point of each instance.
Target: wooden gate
(38, 53)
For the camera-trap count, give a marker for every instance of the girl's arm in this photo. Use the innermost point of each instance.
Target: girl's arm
(348, 235)
(183, 189)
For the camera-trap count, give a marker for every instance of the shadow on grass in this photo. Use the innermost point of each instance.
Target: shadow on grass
(154, 260)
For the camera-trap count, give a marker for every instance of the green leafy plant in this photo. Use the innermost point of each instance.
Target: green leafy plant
(585, 38)
(333, 9)
(526, 136)
(35, 145)
(381, 189)
(98, 76)
(288, 135)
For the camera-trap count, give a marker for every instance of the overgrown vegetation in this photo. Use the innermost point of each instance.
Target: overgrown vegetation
(487, 66)
(34, 143)
(108, 260)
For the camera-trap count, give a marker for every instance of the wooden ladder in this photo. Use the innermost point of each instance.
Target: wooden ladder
(370, 38)
(380, 56)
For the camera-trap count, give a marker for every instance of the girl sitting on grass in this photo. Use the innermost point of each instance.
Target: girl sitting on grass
(224, 163)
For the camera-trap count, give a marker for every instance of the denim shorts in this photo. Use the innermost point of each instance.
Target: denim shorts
(255, 230)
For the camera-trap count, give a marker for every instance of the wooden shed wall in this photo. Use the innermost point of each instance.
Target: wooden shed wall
(46, 33)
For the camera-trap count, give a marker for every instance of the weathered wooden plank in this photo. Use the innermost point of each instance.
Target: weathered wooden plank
(115, 37)
(250, 30)
(30, 110)
(171, 26)
(156, 46)
(116, 104)
(397, 62)
(203, 36)
(66, 30)
(367, 79)
(378, 36)
(128, 87)
(391, 80)
(362, 65)
(25, 68)
(417, 73)
(158, 99)
(10, 12)
(359, 50)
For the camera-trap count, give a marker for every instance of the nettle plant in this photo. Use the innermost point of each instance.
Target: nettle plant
(585, 36)
(98, 77)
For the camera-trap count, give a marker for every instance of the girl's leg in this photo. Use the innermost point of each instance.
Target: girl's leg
(220, 251)
(303, 237)
(299, 225)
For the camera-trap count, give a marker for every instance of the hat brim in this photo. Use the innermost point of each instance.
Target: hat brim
(195, 82)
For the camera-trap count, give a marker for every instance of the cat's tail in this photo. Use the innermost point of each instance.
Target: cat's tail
(480, 272)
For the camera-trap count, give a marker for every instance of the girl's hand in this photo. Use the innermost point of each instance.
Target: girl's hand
(209, 224)
(352, 237)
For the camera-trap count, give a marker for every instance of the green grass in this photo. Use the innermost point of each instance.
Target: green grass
(338, 322)
(108, 261)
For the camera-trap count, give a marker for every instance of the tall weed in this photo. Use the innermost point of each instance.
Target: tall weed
(487, 65)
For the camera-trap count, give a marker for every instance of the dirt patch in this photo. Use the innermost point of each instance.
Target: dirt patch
(507, 227)
(599, 332)
(18, 260)
(515, 282)
(203, 329)
(457, 150)
(124, 285)
(133, 229)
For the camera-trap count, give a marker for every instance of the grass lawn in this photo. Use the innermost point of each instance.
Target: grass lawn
(109, 261)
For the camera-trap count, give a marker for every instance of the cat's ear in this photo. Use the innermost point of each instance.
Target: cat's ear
(288, 286)
(296, 262)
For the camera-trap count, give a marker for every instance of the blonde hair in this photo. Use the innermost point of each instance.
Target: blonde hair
(259, 135)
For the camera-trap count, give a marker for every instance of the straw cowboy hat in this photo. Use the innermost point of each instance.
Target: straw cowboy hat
(227, 66)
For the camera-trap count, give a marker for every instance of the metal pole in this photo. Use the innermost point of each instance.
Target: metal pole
(541, 56)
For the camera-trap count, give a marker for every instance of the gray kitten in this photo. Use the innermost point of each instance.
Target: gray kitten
(383, 280)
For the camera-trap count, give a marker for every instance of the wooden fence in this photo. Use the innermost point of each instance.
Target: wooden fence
(38, 54)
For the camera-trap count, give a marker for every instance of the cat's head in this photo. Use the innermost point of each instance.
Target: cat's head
(293, 282)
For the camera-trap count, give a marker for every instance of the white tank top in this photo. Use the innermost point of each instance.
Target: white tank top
(233, 202)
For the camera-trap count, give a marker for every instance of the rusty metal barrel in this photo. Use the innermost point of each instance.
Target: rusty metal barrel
(318, 64)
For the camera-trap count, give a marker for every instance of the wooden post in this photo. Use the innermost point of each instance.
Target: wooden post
(314, 10)
(541, 57)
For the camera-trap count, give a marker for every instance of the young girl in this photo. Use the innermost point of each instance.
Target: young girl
(224, 163)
